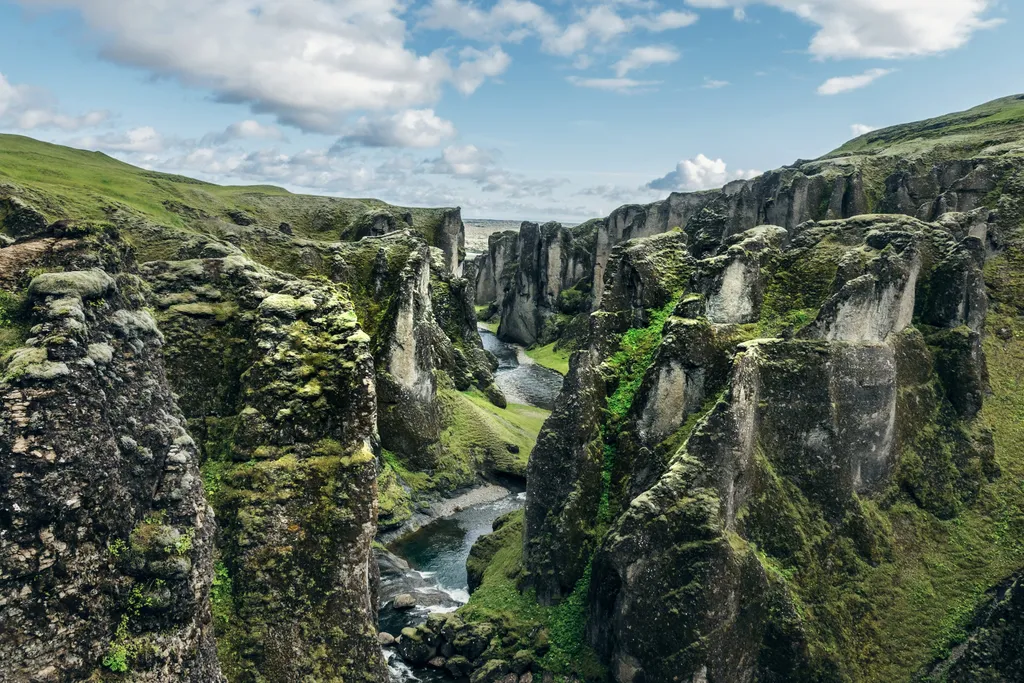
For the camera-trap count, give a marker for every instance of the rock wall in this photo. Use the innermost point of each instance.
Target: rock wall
(550, 261)
(834, 187)
(790, 372)
(277, 381)
(497, 267)
(106, 539)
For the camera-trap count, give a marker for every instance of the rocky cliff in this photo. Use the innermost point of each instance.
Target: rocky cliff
(106, 538)
(276, 335)
(909, 169)
(788, 451)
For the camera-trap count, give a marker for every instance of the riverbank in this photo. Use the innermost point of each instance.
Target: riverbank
(445, 507)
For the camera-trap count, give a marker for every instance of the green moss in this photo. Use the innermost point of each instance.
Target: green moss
(634, 356)
(13, 321)
(558, 632)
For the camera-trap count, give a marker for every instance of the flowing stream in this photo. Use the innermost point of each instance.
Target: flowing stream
(430, 563)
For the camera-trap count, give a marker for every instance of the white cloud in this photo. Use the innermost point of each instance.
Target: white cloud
(620, 85)
(643, 57)
(26, 108)
(712, 84)
(483, 168)
(672, 19)
(515, 20)
(243, 130)
(859, 129)
(699, 173)
(410, 128)
(478, 66)
(880, 29)
(841, 84)
(142, 140)
(308, 62)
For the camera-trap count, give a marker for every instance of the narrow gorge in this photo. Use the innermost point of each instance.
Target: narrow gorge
(770, 432)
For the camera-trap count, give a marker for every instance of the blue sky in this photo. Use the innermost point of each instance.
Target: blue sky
(543, 109)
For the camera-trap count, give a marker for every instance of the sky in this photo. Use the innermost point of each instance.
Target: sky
(511, 109)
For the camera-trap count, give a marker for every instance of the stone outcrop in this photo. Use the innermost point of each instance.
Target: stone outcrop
(496, 268)
(106, 539)
(451, 240)
(550, 262)
(276, 378)
(760, 393)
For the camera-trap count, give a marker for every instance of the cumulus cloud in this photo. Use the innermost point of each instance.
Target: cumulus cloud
(879, 29)
(23, 107)
(243, 130)
(699, 173)
(516, 20)
(643, 57)
(477, 66)
(142, 140)
(410, 128)
(622, 86)
(308, 62)
(841, 84)
(859, 129)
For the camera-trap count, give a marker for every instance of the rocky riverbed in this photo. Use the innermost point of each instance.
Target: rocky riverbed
(423, 567)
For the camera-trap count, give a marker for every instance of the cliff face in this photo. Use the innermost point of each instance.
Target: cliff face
(549, 263)
(907, 170)
(496, 268)
(106, 539)
(780, 438)
(276, 379)
(801, 384)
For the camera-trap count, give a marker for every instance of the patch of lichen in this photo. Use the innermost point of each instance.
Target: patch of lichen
(394, 501)
(369, 271)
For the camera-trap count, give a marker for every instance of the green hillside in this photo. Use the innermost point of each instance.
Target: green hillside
(158, 210)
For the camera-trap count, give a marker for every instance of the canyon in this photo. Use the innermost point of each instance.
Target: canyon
(787, 446)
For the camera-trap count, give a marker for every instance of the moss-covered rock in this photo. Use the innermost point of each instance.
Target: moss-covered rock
(279, 390)
(106, 539)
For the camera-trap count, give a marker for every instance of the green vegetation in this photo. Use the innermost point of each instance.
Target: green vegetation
(631, 361)
(13, 314)
(159, 210)
(973, 130)
(552, 357)
(557, 633)
(495, 439)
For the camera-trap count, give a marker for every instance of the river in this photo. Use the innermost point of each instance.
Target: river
(430, 563)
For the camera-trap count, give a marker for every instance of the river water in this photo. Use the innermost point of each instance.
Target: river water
(431, 562)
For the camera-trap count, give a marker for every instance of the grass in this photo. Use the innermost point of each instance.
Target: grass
(561, 627)
(478, 431)
(983, 126)
(490, 324)
(62, 182)
(551, 357)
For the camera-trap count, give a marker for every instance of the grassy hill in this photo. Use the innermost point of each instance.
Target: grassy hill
(158, 210)
(996, 127)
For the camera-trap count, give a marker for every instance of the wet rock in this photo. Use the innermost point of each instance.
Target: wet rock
(418, 645)
(437, 662)
(459, 666)
(493, 671)
(404, 601)
(385, 639)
